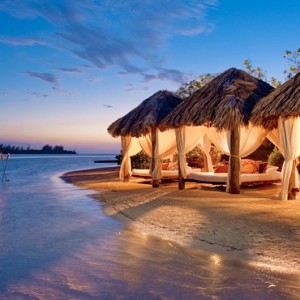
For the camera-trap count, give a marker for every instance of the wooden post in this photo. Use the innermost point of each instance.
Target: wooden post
(155, 183)
(234, 163)
(181, 181)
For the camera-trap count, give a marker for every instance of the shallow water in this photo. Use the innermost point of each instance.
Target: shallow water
(55, 243)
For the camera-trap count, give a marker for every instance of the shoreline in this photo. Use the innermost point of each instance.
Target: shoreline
(252, 226)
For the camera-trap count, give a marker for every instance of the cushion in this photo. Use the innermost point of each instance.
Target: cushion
(271, 169)
(165, 166)
(263, 167)
(173, 166)
(249, 166)
(221, 169)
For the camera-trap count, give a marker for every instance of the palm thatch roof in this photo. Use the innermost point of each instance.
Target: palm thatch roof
(145, 116)
(282, 102)
(224, 102)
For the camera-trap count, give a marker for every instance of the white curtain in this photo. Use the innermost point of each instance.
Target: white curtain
(130, 146)
(251, 137)
(289, 133)
(205, 145)
(166, 147)
(156, 169)
(125, 170)
(167, 143)
(220, 139)
(180, 138)
(197, 136)
(273, 137)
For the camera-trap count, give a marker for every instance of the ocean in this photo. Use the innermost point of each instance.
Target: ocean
(56, 243)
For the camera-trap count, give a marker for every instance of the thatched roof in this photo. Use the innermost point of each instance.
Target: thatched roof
(145, 116)
(282, 102)
(224, 102)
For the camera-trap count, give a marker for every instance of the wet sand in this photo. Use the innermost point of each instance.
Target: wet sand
(252, 226)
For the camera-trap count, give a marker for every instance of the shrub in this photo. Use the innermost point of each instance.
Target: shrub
(138, 161)
(275, 158)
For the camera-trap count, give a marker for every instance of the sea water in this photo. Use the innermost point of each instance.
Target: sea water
(56, 243)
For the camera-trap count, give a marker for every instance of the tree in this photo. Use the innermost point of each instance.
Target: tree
(187, 89)
(293, 61)
(47, 149)
(256, 72)
(260, 73)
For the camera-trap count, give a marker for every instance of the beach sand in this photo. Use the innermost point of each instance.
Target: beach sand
(252, 226)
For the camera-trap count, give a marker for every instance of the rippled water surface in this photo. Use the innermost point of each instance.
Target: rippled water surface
(55, 243)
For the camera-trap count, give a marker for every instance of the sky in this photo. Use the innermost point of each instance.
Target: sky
(70, 68)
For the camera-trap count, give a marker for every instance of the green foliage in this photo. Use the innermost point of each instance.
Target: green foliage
(293, 61)
(275, 158)
(195, 158)
(187, 89)
(140, 161)
(119, 157)
(256, 72)
(216, 154)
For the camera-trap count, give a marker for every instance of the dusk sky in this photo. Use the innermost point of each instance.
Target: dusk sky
(71, 68)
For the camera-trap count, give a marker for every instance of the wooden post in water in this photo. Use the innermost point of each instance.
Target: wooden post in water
(234, 163)
(155, 183)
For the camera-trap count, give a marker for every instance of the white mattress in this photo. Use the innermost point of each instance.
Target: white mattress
(165, 173)
(222, 177)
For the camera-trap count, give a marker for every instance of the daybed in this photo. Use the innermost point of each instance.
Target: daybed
(246, 179)
(253, 173)
(166, 174)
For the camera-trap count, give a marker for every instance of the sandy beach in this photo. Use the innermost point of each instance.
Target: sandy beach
(252, 226)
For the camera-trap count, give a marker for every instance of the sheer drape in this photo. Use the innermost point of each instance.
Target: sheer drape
(130, 147)
(180, 138)
(166, 147)
(289, 133)
(197, 136)
(251, 137)
(125, 170)
(187, 138)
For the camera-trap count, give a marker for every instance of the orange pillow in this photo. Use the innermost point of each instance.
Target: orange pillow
(221, 169)
(173, 166)
(165, 166)
(249, 167)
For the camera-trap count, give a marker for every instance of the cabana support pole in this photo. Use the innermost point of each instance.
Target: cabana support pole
(234, 161)
(180, 140)
(181, 181)
(155, 183)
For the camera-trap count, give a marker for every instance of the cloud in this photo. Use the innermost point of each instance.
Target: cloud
(21, 41)
(107, 106)
(70, 70)
(41, 95)
(48, 77)
(126, 34)
(94, 79)
(133, 87)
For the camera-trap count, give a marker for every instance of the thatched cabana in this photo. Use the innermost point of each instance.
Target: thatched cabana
(280, 112)
(225, 103)
(141, 121)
